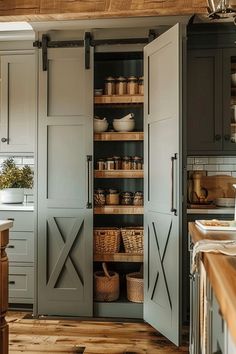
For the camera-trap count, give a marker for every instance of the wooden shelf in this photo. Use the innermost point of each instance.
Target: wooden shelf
(119, 209)
(114, 99)
(118, 174)
(119, 136)
(118, 257)
(233, 124)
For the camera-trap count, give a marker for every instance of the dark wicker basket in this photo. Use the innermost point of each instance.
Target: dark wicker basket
(106, 240)
(133, 239)
(106, 285)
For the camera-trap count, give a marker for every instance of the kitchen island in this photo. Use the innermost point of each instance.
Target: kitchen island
(4, 237)
(221, 275)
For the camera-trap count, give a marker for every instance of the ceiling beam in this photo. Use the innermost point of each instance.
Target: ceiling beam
(45, 10)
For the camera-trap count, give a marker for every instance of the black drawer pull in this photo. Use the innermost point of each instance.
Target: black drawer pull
(11, 282)
(10, 246)
(12, 219)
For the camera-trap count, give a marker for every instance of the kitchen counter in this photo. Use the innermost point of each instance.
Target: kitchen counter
(221, 271)
(5, 225)
(211, 211)
(17, 207)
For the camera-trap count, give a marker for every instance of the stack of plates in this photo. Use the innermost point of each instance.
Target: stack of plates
(224, 202)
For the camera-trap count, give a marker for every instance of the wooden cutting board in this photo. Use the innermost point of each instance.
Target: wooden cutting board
(219, 186)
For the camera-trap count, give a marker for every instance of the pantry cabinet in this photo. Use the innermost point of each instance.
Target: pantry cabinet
(211, 100)
(68, 174)
(18, 102)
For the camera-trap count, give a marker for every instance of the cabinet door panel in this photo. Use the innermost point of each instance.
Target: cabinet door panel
(18, 102)
(162, 209)
(204, 103)
(65, 224)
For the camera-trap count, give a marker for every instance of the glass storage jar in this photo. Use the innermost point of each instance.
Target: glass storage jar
(140, 86)
(126, 163)
(112, 197)
(110, 85)
(110, 164)
(138, 198)
(137, 163)
(132, 85)
(99, 197)
(100, 164)
(117, 162)
(121, 85)
(126, 198)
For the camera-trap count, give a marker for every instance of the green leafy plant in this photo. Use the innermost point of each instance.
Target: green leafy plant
(12, 176)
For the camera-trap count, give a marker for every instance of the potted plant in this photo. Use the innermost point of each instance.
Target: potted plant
(13, 180)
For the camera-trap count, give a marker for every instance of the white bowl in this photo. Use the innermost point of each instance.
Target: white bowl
(233, 79)
(100, 125)
(225, 202)
(124, 126)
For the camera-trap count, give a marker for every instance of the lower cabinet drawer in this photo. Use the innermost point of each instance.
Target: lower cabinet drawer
(21, 282)
(21, 247)
(22, 220)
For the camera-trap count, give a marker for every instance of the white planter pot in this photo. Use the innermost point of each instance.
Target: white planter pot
(12, 195)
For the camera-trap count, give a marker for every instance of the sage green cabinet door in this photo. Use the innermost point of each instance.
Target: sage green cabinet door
(64, 185)
(18, 103)
(162, 218)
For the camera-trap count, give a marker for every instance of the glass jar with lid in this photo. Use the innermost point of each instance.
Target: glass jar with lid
(132, 85)
(138, 198)
(140, 86)
(126, 198)
(99, 197)
(117, 162)
(112, 197)
(121, 85)
(100, 164)
(126, 163)
(110, 85)
(110, 164)
(137, 163)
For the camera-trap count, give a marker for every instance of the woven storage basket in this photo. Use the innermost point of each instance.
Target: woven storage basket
(133, 239)
(106, 240)
(106, 285)
(135, 287)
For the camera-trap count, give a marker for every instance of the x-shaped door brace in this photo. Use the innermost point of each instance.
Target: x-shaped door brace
(160, 260)
(65, 248)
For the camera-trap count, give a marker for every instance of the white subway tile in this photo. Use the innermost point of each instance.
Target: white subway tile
(198, 167)
(233, 174)
(189, 167)
(213, 173)
(226, 167)
(211, 167)
(229, 160)
(224, 173)
(215, 160)
(28, 160)
(190, 160)
(201, 160)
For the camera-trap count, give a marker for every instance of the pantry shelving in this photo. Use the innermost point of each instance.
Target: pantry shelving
(119, 209)
(119, 136)
(118, 174)
(115, 99)
(118, 257)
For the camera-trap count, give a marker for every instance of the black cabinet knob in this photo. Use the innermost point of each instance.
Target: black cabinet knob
(4, 140)
(217, 137)
(227, 137)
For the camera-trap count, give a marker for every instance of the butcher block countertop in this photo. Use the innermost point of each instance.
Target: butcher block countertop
(221, 271)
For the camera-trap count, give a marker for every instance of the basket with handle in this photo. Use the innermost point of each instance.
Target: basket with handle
(106, 240)
(133, 239)
(106, 285)
(134, 283)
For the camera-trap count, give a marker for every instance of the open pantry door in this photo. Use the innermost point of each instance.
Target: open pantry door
(163, 201)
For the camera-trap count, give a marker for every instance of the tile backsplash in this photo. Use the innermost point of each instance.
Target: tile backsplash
(21, 161)
(213, 165)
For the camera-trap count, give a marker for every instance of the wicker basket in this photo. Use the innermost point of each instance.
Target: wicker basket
(135, 287)
(106, 285)
(133, 239)
(106, 240)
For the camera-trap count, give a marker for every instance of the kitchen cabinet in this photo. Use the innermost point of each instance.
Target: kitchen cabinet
(18, 103)
(211, 96)
(65, 183)
(20, 251)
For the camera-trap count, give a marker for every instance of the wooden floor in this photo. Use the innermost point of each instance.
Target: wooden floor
(89, 337)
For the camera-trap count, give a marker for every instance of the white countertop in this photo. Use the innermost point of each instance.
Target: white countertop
(211, 211)
(17, 207)
(5, 224)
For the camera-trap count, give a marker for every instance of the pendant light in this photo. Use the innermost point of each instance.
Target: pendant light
(220, 9)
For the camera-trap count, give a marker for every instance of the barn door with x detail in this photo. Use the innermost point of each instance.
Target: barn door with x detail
(65, 217)
(163, 72)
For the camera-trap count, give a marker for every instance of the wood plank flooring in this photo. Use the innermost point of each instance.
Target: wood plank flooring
(85, 336)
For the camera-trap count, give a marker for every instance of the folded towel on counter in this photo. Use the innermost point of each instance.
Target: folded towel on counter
(227, 247)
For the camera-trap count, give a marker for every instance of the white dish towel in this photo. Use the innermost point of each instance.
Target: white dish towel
(227, 247)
